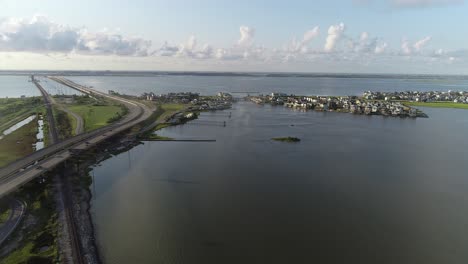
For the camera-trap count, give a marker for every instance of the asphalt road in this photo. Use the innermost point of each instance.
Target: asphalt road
(22, 171)
(79, 120)
(17, 211)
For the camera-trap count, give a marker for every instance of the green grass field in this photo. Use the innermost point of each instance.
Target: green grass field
(64, 123)
(73, 123)
(13, 110)
(96, 116)
(39, 240)
(18, 144)
(438, 104)
(170, 109)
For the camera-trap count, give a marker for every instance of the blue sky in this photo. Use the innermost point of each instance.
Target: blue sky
(384, 36)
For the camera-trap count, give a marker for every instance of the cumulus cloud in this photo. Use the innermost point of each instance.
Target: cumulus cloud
(366, 44)
(167, 50)
(41, 35)
(300, 46)
(310, 35)
(246, 36)
(405, 47)
(36, 34)
(416, 47)
(225, 54)
(188, 48)
(334, 34)
(111, 44)
(380, 48)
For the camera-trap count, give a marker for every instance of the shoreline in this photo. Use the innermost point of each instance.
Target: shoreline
(82, 193)
(443, 105)
(82, 197)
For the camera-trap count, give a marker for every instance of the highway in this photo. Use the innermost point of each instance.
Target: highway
(24, 170)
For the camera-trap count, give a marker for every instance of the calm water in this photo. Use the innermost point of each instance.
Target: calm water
(16, 86)
(357, 189)
(303, 86)
(55, 88)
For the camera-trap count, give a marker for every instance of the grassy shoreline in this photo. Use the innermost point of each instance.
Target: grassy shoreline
(163, 111)
(437, 104)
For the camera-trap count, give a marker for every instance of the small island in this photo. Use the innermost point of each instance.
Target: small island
(287, 139)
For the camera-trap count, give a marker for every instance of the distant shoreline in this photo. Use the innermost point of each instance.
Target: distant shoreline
(235, 74)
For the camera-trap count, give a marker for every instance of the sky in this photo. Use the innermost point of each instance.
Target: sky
(346, 36)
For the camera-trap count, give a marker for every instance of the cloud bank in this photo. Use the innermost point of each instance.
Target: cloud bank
(40, 35)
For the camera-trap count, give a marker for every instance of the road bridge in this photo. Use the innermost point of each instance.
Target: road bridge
(24, 170)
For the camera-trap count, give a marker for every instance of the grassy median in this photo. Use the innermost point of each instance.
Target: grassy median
(96, 116)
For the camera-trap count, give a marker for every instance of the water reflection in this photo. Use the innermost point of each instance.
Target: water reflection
(357, 189)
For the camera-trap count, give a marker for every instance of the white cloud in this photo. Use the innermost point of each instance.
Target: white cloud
(41, 35)
(167, 50)
(439, 52)
(310, 35)
(408, 49)
(380, 48)
(368, 45)
(188, 48)
(418, 45)
(364, 36)
(205, 53)
(405, 47)
(334, 34)
(224, 54)
(302, 46)
(103, 43)
(246, 36)
(191, 43)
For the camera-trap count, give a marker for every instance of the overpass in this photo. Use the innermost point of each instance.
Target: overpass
(24, 170)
